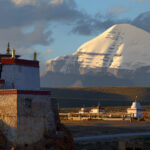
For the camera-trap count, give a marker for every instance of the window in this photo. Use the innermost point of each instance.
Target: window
(28, 103)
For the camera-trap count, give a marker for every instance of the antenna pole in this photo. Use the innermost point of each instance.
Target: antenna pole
(136, 98)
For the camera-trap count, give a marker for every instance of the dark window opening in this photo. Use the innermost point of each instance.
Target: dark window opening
(0, 70)
(13, 85)
(48, 146)
(28, 103)
(129, 148)
(138, 149)
(25, 145)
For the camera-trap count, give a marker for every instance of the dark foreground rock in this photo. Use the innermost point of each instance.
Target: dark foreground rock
(61, 141)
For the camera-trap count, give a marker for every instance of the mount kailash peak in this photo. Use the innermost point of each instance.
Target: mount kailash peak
(119, 56)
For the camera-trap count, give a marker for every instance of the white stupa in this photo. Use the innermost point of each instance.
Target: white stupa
(136, 111)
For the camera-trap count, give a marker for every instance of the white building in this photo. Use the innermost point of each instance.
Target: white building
(97, 109)
(26, 112)
(135, 111)
(82, 110)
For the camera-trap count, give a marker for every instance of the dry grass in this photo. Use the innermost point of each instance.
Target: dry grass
(99, 127)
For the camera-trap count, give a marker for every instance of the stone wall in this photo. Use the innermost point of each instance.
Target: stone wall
(8, 115)
(35, 117)
(30, 121)
(25, 118)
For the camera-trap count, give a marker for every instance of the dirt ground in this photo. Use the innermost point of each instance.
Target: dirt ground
(99, 127)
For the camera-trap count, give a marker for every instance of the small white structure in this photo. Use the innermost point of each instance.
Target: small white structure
(135, 111)
(97, 109)
(82, 110)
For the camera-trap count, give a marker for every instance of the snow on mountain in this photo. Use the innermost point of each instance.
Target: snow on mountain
(122, 46)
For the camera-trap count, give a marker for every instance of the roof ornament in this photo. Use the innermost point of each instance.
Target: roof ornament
(13, 53)
(98, 106)
(136, 99)
(8, 49)
(35, 56)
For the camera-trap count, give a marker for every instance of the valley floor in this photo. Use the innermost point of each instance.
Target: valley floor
(102, 128)
(99, 127)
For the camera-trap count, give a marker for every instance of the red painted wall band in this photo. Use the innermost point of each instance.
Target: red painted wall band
(14, 61)
(2, 81)
(6, 92)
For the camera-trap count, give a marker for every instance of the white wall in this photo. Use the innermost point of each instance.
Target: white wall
(23, 77)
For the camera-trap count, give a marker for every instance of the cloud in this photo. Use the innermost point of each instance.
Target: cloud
(116, 11)
(36, 2)
(94, 25)
(143, 0)
(47, 51)
(143, 21)
(23, 12)
(24, 2)
(30, 2)
(56, 2)
(17, 15)
(23, 42)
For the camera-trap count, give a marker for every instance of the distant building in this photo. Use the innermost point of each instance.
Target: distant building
(82, 110)
(97, 109)
(135, 111)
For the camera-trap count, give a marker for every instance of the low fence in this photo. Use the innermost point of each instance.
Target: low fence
(89, 116)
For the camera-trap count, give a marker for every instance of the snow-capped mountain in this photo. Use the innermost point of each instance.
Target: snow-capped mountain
(121, 50)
